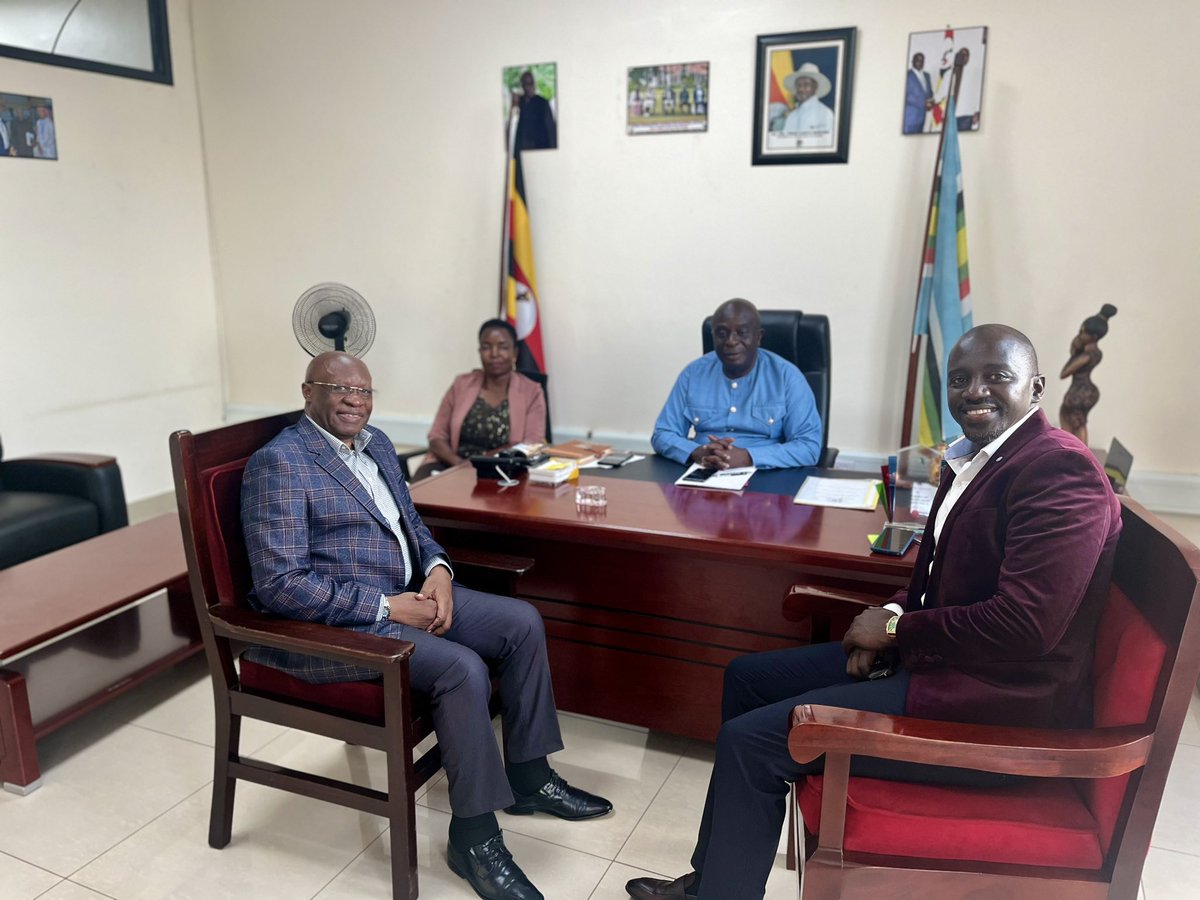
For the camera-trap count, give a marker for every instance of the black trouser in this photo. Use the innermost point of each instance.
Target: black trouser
(747, 794)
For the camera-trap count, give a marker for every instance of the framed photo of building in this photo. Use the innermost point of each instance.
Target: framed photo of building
(802, 94)
(930, 59)
(665, 99)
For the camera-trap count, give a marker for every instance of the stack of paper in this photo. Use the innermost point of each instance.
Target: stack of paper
(556, 471)
(844, 493)
(716, 480)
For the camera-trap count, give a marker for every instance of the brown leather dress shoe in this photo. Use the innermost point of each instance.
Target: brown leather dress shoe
(654, 888)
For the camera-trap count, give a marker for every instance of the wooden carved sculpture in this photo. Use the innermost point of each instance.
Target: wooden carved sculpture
(1082, 395)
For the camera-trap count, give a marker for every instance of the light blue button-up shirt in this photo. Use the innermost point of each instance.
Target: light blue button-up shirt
(769, 412)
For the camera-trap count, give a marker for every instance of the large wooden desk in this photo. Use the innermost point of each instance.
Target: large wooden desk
(647, 601)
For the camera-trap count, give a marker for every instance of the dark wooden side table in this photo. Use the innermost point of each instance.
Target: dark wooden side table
(83, 625)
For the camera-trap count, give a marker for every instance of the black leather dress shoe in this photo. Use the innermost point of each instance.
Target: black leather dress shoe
(655, 888)
(560, 799)
(491, 872)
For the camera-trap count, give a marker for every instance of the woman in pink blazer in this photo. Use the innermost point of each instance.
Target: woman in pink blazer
(487, 408)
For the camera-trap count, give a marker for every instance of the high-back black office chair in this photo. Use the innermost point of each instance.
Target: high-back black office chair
(803, 339)
(540, 378)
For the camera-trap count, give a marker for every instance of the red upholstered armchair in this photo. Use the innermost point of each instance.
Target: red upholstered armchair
(382, 714)
(1081, 825)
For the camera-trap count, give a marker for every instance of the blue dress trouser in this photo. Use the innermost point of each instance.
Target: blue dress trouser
(453, 671)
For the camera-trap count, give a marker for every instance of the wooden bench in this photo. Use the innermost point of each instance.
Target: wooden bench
(83, 625)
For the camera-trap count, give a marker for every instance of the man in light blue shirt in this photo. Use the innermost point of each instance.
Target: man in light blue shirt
(739, 405)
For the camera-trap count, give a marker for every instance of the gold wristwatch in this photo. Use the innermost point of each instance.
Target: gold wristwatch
(890, 627)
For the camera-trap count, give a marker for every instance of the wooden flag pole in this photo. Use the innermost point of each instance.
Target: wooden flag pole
(914, 353)
(509, 148)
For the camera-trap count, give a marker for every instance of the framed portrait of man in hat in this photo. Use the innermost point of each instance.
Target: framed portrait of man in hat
(802, 94)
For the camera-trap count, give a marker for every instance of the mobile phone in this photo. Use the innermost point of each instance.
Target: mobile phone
(893, 541)
(699, 475)
(884, 665)
(614, 459)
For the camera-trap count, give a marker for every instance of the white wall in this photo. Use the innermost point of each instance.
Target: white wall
(107, 301)
(360, 141)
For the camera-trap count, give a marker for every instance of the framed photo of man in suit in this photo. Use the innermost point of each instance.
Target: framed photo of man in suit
(802, 94)
(927, 82)
(531, 105)
(27, 127)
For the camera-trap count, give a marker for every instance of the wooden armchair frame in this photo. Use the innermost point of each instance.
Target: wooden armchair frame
(227, 627)
(1159, 572)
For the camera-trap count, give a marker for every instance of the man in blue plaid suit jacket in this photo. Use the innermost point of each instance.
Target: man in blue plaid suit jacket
(333, 537)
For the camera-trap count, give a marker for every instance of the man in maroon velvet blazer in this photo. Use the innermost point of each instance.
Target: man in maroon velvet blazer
(997, 624)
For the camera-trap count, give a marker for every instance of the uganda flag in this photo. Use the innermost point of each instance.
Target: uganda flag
(519, 294)
(783, 64)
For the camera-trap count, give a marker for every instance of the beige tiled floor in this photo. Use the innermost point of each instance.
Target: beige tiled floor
(124, 808)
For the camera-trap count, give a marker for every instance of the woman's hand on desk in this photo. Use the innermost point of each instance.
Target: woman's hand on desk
(440, 447)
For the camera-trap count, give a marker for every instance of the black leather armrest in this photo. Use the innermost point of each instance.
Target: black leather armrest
(93, 478)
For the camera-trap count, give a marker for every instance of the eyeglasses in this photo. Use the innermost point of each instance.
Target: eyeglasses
(342, 390)
(742, 334)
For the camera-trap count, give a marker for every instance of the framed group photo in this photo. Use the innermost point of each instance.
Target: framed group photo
(802, 95)
(668, 98)
(27, 127)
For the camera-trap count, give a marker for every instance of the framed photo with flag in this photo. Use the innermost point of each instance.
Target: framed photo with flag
(802, 94)
(931, 58)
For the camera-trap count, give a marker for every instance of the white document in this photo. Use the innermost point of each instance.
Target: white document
(844, 493)
(922, 499)
(718, 480)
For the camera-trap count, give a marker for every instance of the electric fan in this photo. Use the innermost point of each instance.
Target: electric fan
(331, 316)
